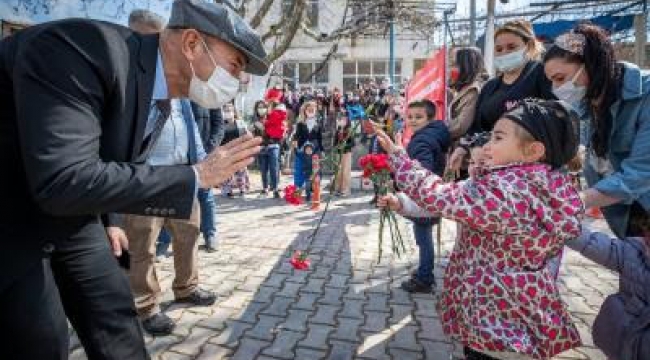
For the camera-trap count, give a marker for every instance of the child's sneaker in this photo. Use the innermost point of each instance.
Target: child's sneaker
(414, 285)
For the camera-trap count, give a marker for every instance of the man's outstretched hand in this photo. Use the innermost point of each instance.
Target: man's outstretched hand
(224, 161)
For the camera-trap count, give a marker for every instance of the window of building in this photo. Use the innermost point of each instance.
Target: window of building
(297, 74)
(362, 71)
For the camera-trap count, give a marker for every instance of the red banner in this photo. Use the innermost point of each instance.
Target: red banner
(429, 83)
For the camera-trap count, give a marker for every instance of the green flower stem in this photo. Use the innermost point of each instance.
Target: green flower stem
(381, 235)
(400, 239)
(386, 213)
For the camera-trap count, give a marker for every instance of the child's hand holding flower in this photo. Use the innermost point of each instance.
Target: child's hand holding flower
(390, 201)
(386, 142)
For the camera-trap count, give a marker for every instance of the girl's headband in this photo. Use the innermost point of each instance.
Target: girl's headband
(572, 42)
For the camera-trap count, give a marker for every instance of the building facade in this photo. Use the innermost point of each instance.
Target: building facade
(356, 60)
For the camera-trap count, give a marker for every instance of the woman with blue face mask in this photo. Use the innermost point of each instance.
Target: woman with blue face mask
(613, 100)
(520, 75)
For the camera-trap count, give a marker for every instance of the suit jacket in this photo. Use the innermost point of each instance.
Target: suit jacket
(74, 100)
(211, 126)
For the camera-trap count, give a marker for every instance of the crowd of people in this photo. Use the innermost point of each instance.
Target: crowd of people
(505, 165)
(518, 206)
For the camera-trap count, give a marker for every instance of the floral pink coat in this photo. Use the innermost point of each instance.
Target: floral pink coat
(499, 295)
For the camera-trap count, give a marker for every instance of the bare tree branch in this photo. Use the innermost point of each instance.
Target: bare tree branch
(242, 8)
(261, 13)
(289, 32)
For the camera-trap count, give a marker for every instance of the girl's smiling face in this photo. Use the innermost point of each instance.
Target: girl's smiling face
(510, 143)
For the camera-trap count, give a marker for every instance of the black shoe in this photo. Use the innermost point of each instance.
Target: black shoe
(199, 297)
(207, 248)
(276, 194)
(158, 324)
(414, 285)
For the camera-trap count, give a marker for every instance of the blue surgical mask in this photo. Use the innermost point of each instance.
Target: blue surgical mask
(512, 61)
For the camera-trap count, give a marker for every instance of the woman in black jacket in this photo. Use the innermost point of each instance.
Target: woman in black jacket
(308, 129)
(520, 76)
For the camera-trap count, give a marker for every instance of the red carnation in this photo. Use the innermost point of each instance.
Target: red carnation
(299, 261)
(292, 195)
(373, 164)
(381, 162)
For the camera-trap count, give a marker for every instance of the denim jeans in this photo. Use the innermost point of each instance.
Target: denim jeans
(298, 175)
(208, 216)
(164, 240)
(269, 162)
(424, 239)
(308, 190)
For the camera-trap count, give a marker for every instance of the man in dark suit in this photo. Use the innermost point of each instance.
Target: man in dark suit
(75, 96)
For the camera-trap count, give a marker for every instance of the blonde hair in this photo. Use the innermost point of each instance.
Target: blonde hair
(523, 29)
(303, 108)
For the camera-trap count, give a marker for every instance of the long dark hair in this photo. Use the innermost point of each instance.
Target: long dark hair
(469, 61)
(258, 103)
(605, 77)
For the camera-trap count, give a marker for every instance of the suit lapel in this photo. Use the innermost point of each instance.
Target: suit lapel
(146, 74)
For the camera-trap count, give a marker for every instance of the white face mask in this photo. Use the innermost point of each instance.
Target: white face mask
(220, 88)
(512, 61)
(311, 123)
(572, 93)
(261, 112)
(228, 115)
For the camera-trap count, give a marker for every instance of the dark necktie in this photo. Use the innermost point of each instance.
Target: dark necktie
(164, 110)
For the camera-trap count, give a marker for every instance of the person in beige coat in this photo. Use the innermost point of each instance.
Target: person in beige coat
(468, 65)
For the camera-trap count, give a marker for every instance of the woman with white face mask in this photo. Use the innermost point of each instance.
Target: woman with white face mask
(613, 101)
(517, 56)
(308, 129)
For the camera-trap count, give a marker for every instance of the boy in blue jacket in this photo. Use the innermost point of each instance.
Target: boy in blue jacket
(428, 145)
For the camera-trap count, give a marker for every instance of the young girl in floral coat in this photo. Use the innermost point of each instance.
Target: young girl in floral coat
(500, 298)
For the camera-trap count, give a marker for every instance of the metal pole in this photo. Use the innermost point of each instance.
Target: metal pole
(472, 22)
(640, 37)
(445, 80)
(488, 51)
(392, 53)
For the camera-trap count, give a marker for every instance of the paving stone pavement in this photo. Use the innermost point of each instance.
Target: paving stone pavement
(347, 306)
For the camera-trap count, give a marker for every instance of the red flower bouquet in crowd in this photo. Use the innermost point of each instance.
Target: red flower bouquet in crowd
(374, 164)
(292, 195)
(375, 167)
(299, 261)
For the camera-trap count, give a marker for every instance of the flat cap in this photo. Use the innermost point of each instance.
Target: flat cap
(222, 22)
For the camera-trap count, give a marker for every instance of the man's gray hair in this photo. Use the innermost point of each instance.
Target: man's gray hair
(147, 18)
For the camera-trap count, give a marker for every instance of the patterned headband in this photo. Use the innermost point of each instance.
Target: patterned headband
(572, 42)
